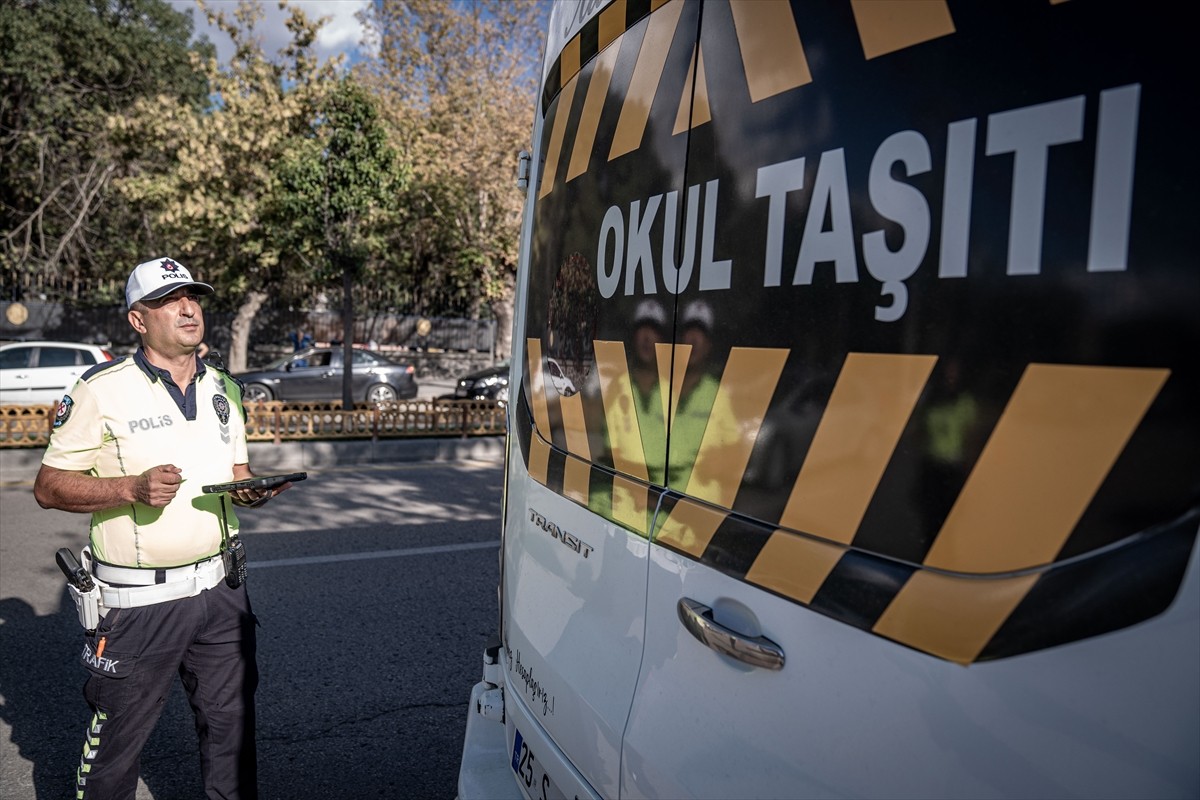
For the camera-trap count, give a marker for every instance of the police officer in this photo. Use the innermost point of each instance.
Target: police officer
(133, 444)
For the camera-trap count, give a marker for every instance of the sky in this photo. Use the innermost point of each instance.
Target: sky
(341, 34)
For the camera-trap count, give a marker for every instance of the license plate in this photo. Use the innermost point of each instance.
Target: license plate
(530, 774)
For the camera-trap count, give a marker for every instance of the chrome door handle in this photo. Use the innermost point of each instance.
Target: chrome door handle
(757, 651)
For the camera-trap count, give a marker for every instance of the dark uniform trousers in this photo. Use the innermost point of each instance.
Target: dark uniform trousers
(209, 641)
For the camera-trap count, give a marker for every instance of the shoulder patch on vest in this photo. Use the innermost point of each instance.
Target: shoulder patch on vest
(64, 411)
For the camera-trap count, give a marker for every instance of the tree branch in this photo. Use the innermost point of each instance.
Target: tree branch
(83, 211)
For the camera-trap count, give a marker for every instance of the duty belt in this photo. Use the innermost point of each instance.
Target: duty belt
(152, 586)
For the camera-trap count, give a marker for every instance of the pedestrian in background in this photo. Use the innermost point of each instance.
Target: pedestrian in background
(300, 341)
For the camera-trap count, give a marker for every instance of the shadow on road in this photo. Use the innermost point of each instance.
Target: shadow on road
(42, 685)
(41, 680)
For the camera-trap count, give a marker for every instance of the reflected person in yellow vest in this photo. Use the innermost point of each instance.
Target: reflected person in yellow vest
(950, 437)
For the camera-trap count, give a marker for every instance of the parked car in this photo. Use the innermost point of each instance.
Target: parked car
(40, 373)
(489, 383)
(558, 378)
(315, 374)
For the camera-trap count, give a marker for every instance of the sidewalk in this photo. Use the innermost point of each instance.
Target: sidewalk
(432, 388)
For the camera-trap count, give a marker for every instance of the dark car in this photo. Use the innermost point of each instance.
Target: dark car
(489, 383)
(315, 374)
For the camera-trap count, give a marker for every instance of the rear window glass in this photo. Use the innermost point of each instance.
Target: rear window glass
(64, 357)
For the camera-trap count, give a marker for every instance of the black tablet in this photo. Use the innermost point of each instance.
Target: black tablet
(261, 482)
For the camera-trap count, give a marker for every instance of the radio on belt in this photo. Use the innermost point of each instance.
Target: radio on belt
(234, 556)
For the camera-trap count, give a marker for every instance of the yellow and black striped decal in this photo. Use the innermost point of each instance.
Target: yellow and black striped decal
(594, 37)
(984, 586)
(773, 61)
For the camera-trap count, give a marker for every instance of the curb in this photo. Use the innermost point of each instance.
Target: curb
(20, 466)
(267, 456)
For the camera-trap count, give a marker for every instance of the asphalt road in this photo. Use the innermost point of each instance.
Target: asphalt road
(376, 591)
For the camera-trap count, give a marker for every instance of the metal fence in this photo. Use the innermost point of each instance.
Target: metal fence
(30, 426)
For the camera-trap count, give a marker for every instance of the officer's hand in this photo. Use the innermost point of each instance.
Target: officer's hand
(253, 498)
(157, 486)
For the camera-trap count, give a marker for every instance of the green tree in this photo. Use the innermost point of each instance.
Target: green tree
(458, 82)
(65, 66)
(336, 197)
(212, 198)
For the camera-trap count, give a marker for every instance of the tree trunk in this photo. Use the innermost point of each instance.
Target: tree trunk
(240, 329)
(502, 310)
(347, 334)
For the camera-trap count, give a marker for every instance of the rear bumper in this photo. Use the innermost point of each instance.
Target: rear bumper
(493, 719)
(485, 772)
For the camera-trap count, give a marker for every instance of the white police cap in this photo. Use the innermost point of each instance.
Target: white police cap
(158, 277)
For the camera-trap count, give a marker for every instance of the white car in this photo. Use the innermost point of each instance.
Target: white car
(558, 377)
(40, 373)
